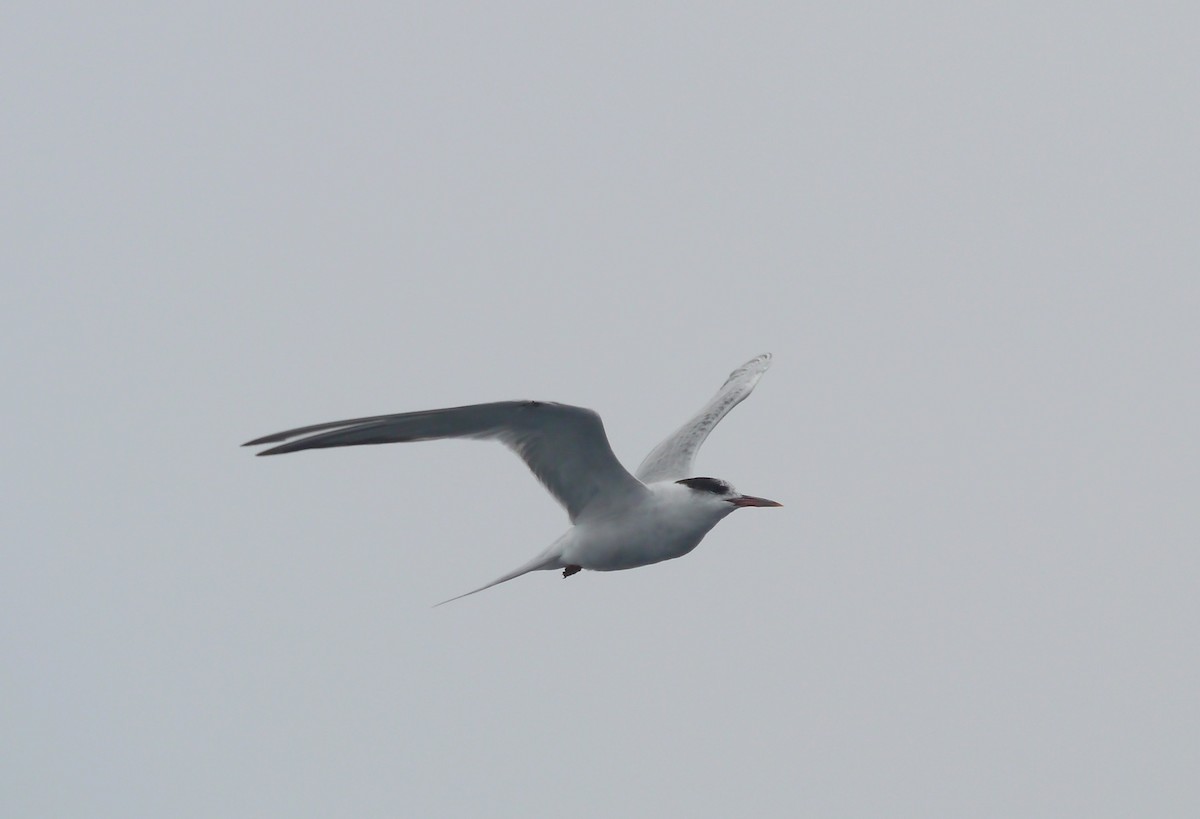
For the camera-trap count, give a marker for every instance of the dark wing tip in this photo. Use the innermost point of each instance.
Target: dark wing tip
(277, 450)
(268, 439)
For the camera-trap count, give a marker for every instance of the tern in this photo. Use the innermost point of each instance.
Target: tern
(618, 520)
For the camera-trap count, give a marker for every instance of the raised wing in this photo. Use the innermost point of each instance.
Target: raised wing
(674, 458)
(565, 446)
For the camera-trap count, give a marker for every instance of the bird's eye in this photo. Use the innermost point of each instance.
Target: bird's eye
(713, 485)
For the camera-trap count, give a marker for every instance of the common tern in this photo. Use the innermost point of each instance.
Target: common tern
(618, 520)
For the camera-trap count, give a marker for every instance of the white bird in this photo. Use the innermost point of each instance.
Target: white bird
(619, 521)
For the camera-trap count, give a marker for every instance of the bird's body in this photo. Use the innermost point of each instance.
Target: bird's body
(618, 521)
(663, 525)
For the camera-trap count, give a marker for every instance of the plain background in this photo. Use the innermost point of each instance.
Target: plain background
(968, 232)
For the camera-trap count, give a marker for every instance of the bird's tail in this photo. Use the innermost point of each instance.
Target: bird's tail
(549, 559)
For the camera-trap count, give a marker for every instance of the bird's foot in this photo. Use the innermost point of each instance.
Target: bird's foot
(570, 570)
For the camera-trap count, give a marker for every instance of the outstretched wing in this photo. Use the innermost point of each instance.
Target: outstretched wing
(674, 458)
(565, 446)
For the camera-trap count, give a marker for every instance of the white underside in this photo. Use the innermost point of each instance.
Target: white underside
(662, 527)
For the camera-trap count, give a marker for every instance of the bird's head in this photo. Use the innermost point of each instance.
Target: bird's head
(717, 491)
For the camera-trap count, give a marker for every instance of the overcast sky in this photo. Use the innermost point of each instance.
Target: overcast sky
(968, 233)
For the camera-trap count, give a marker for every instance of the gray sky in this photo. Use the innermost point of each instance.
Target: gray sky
(967, 232)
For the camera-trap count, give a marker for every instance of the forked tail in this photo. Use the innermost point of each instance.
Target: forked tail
(548, 559)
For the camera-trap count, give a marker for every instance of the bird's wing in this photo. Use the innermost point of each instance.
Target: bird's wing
(565, 446)
(674, 457)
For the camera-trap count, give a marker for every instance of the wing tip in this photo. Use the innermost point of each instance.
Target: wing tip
(268, 439)
(755, 366)
(275, 450)
(759, 362)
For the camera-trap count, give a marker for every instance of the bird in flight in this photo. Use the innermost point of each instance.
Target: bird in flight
(618, 520)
